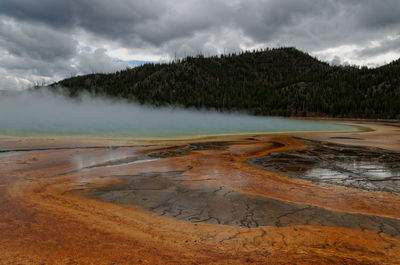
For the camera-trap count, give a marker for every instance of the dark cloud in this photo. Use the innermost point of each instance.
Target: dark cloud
(383, 14)
(265, 22)
(48, 12)
(33, 41)
(117, 19)
(49, 33)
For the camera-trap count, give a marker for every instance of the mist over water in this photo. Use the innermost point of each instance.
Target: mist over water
(47, 113)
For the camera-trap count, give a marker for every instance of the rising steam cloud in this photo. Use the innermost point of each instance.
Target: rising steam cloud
(45, 113)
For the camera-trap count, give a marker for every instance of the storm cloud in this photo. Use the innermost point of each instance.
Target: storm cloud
(47, 40)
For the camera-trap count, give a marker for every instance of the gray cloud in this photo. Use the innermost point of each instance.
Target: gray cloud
(265, 22)
(32, 41)
(379, 15)
(336, 61)
(386, 45)
(117, 19)
(48, 12)
(49, 33)
(98, 62)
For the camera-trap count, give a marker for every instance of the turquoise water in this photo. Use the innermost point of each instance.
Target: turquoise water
(49, 114)
(237, 125)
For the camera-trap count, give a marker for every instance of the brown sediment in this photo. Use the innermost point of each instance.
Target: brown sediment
(200, 202)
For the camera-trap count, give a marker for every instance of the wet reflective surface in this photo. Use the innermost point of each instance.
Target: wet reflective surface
(351, 166)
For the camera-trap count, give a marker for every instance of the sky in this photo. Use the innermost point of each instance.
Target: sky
(43, 41)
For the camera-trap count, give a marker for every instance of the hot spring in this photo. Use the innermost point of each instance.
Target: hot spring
(46, 113)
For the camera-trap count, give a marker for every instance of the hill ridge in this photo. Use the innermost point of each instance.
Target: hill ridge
(280, 82)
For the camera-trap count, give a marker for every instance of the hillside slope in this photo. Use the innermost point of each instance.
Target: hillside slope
(284, 82)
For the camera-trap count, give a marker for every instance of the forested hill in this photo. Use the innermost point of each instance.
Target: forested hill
(283, 82)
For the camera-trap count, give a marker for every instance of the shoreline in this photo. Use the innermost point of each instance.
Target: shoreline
(363, 129)
(172, 138)
(179, 137)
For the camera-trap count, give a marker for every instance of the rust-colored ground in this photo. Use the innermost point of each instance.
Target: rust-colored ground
(45, 217)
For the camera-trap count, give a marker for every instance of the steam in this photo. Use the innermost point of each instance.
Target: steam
(44, 112)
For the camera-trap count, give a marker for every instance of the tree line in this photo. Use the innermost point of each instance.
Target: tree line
(279, 82)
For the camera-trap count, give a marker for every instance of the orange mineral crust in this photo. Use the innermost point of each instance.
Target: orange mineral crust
(222, 200)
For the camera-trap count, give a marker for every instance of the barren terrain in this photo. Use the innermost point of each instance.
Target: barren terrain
(304, 198)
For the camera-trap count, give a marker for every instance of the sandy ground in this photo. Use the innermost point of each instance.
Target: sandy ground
(383, 134)
(49, 212)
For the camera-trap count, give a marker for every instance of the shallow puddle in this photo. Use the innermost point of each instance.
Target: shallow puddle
(351, 166)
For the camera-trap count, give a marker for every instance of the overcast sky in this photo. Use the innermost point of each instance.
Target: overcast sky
(47, 40)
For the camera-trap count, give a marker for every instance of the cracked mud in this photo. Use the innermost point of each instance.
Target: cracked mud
(364, 168)
(166, 194)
